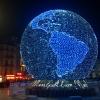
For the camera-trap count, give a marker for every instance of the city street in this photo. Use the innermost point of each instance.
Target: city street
(5, 95)
(50, 50)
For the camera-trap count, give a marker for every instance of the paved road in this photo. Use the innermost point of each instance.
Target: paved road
(5, 95)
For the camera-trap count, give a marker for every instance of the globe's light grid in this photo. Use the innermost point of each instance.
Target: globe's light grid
(70, 52)
(59, 44)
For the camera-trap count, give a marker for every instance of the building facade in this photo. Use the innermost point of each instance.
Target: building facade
(9, 59)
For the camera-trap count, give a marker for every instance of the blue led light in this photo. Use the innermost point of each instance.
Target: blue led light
(70, 52)
(59, 44)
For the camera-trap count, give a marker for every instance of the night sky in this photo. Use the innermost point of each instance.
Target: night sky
(16, 14)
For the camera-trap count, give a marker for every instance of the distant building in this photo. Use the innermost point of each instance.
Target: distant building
(9, 59)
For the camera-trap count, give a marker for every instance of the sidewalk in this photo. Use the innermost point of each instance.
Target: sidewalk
(4, 94)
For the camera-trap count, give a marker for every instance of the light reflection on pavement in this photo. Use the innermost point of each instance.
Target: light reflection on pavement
(5, 95)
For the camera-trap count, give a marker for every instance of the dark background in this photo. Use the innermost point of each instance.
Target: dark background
(16, 14)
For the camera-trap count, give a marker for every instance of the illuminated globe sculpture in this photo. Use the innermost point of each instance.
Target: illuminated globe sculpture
(59, 44)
